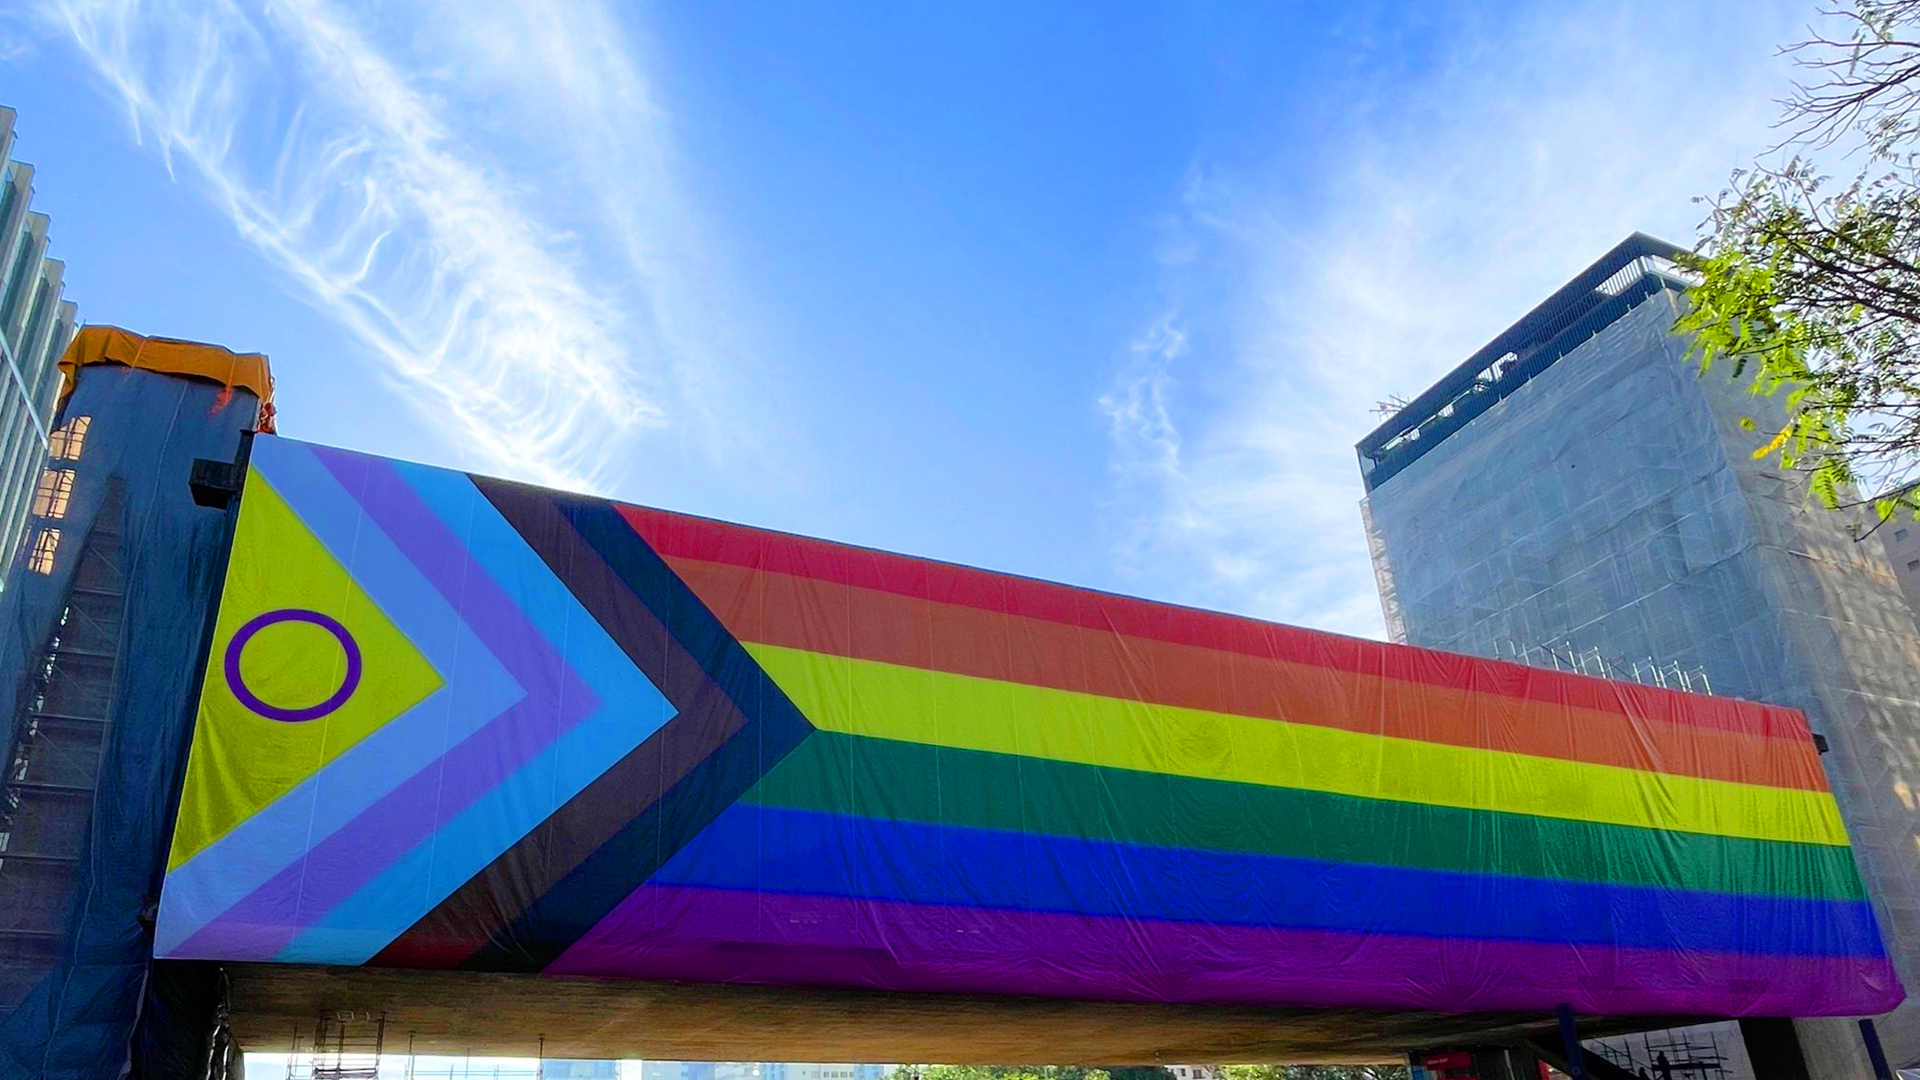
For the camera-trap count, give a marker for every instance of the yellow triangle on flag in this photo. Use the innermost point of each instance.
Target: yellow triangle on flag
(304, 665)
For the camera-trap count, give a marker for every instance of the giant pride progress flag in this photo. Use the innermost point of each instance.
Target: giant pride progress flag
(455, 722)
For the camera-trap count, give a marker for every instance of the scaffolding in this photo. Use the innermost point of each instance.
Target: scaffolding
(347, 1046)
(95, 730)
(1564, 655)
(1673, 1054)
(58, 742)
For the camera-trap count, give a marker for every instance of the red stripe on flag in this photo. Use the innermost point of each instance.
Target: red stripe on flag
(681, 536)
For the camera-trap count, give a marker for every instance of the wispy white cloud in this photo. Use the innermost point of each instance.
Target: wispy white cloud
(480, 191)
(1144, 435)
(18, 37)
(1451, 206)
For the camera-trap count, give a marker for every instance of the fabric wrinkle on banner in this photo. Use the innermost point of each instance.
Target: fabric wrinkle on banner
(474, 724)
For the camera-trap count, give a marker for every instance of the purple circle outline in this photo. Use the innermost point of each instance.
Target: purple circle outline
(312, 712)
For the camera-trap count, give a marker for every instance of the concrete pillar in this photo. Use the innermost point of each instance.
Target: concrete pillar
(1831, 1047)
(1774, 1048)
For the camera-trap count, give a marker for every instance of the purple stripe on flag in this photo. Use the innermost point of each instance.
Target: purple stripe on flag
(711, 935)
(258, 927)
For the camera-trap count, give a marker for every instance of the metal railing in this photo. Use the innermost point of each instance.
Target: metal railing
(1637, 268)
(1564, 655)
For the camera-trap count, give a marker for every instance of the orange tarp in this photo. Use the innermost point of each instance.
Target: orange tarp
(112, 345)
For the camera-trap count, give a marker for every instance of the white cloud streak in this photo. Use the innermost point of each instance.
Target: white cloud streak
(353, 155)
(1455, 206)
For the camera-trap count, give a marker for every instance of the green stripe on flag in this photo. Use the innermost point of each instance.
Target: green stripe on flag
(905, 781)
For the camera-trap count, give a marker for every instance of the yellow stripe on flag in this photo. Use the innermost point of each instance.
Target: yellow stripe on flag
(864, 697)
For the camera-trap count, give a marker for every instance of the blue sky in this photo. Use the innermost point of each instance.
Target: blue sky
(1102, 293)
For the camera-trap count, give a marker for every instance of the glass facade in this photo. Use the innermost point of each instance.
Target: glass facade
(35, 326)
(1611, 508)
(579, 1070)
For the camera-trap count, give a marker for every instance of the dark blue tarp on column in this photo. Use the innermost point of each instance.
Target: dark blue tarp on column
(101, 626)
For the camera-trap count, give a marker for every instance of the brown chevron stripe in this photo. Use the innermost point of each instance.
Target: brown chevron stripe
(705, 719)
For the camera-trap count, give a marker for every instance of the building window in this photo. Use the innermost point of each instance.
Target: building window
(40, 559)
(1899, 534)
(67, 439)
(50, 496)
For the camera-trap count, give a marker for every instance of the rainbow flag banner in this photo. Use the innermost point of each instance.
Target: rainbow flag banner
(454, 722)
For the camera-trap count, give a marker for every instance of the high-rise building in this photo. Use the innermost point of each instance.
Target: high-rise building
(1578, 494)
(35, 326)
(1902, 540)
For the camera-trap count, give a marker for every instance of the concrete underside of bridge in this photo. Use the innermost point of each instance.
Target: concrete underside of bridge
(521, 1015)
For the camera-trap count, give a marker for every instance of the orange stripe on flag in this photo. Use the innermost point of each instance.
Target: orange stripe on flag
(821, 616)
(677, 536)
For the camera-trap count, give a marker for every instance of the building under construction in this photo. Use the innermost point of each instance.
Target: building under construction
(112, 576)
(1578, 495)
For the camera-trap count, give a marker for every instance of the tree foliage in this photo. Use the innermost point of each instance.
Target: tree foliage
(1316, 1072)
(1811, 285)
